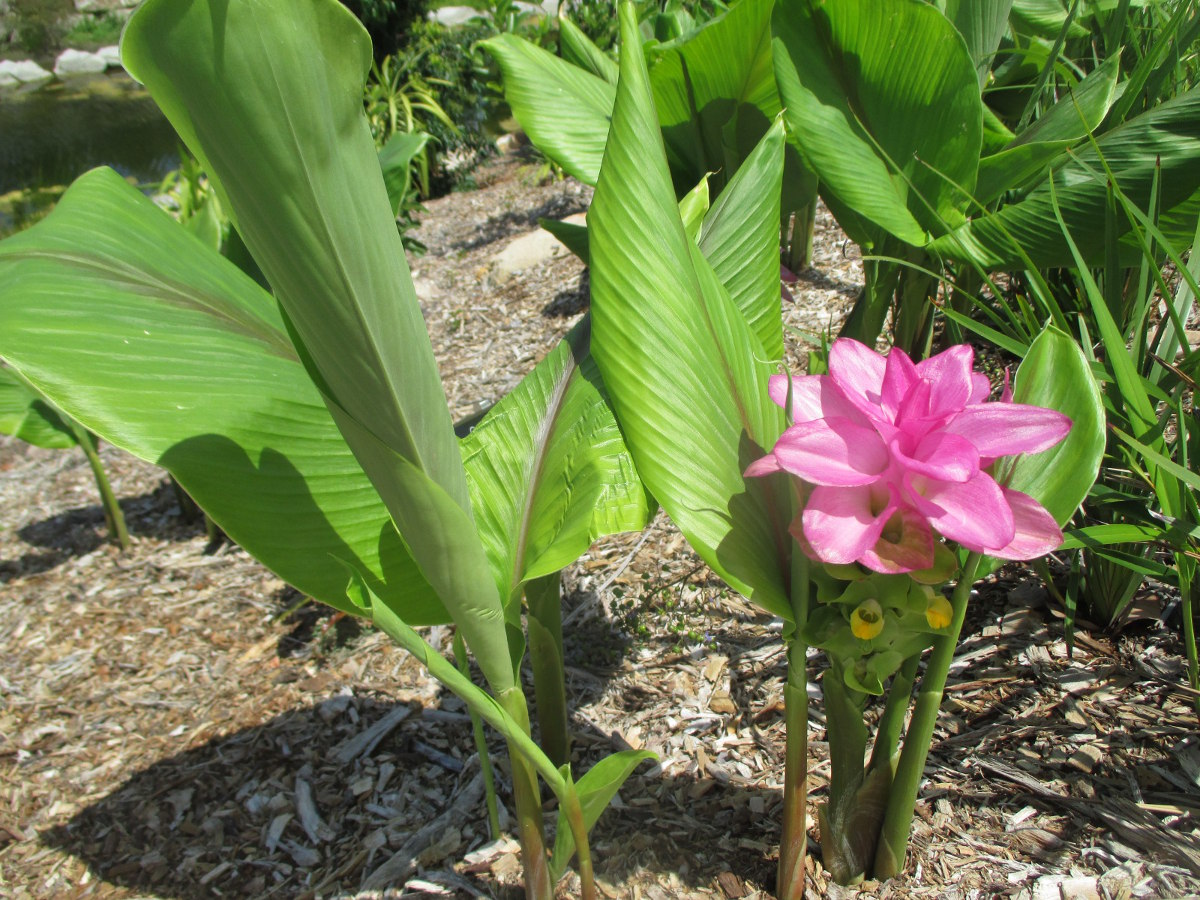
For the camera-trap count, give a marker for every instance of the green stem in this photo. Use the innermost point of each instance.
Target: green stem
(799, 254)
(583, 853)
(893, 842)
(113, 517)
(530, 830)
(793, 842)
(891, 723)
(546, 659)
(481, 748)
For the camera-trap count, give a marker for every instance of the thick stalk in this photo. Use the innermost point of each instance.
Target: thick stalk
(481, 748)
(583, 853)
(804, 219)
(546, 659)
(893, 841)
(113, 517)
(528, 797)
(891, 723)
(793, 842)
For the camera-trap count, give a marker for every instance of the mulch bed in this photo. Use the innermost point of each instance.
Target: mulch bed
(177, 723)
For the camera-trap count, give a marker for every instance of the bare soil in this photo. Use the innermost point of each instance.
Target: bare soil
(176, 722)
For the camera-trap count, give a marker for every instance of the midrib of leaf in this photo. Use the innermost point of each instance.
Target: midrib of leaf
(542, 445)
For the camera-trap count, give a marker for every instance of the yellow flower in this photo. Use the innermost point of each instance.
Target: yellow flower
(867, 620)
(938, 612)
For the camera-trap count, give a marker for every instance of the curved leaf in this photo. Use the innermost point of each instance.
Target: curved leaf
(268, 95)
(883, 99)
(548, 470)
(577, 48)
(163, 348)
(686, 375)
(1166, 138)
(564, 109)
(714, 92)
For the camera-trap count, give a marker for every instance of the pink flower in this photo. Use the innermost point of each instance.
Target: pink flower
(898, 451)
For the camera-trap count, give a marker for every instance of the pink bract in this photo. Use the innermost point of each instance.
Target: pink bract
(897, 453)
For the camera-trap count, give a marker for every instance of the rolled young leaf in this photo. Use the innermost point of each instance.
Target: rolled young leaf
(686, 375)
(164, 348)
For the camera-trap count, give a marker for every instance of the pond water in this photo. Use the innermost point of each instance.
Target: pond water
(55, 132)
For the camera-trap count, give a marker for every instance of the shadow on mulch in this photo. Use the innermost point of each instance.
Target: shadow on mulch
(78, 532)
(570, 301)
(509, 224)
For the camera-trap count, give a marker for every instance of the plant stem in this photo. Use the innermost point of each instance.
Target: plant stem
(893, 841)
(481, 748)
(583, 852)
(528, 797)
(793, 842)
(546, 659)
(113, 517)
(891, 723)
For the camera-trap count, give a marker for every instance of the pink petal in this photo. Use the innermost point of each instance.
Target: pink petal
(1005, 429)
(764, 466)
(974, 513)
(841, 524)
(899, 378)
(904, 545)
(857, 370)
(950, 377)
(940, 455)
(832, 451)
(981, 388)
(917, 404)
(813, 397)
(1037, 532)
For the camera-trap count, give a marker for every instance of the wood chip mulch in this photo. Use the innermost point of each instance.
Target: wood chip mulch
(176, 723)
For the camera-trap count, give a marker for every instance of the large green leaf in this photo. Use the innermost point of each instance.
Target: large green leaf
(686, 375)
(1055, 374)
(548, 470)
(982, 24)
(578, 48)
(883, 99)
(714, 91)
(1166, 138)
(740, 239)
(163, 348)
(268, 95)
(27, 416)
(564, 109)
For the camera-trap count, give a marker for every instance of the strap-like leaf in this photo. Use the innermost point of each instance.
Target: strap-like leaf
(686, 375)
(165, 349)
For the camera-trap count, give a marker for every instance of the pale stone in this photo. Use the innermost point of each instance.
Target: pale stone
(111, 56)
(529, 250)
(455, 15)
(23, 70)
(78, 62)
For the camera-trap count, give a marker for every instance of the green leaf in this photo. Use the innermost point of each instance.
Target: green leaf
(548, 470)
(395, 159)
(686, 375)
(982, 24)
(740, 240)
(163, 348)
(714, 91)
(883, 99)
(1166, 136)
(595, 791)
(1109, 535)
(577, 48)
(564, 109)
(573, 237)
(1055, 374)
(28, 416)
(268, 95)
(1079, 110)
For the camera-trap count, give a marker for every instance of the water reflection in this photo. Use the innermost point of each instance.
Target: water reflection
(51, 134)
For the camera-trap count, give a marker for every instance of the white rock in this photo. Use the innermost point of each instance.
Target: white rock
(455, 15)
(23, 70)
(7, 79)
(529, 250)
(111, 56)
(77, 62)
